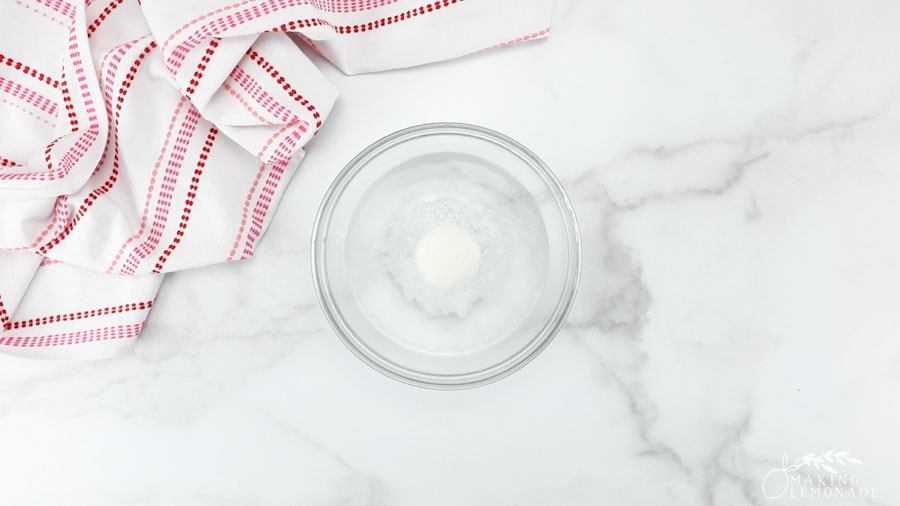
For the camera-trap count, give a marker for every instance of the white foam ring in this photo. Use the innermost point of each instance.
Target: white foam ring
(399, 253)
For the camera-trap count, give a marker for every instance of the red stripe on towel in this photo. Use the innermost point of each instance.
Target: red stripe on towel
(77, 315)
(69, 338)
(189, 200)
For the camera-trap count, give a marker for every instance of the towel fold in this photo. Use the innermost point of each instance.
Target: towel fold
(141, 138)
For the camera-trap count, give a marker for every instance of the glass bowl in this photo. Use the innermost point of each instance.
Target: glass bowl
(446, 255)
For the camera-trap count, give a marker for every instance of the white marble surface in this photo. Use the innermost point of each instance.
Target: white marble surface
(735, 166)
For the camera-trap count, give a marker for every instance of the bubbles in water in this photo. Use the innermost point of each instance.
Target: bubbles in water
(399, 253)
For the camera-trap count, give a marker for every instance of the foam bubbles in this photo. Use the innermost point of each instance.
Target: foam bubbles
(418, 253)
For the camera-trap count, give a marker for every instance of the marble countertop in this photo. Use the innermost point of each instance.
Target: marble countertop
(735, 167)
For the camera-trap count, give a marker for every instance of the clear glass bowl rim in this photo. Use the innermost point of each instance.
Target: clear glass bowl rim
(356, 344)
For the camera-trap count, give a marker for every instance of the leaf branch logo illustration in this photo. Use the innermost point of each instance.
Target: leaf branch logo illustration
(778, 481)
(823, 462)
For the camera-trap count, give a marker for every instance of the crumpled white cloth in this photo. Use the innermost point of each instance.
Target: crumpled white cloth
(139, 138)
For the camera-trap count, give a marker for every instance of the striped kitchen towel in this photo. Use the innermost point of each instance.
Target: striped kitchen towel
(139, 138)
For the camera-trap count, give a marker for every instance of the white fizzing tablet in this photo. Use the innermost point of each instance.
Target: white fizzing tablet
(447, 255)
